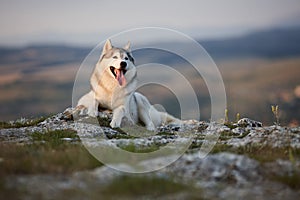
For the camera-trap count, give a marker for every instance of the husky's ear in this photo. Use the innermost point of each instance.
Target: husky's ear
(107, 46)
(127, 46)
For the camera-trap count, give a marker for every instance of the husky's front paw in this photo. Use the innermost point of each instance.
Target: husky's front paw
(150, 127)
(118, 115)
(115, 124)
(92, 113)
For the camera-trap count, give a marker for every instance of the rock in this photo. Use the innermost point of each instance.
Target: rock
(239, 131)
(246, 122)
(221, 167)
(221, 175)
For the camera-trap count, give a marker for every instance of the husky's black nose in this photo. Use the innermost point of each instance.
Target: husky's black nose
(123, 65)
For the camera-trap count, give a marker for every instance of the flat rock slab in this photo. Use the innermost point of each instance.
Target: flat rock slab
(222, 175)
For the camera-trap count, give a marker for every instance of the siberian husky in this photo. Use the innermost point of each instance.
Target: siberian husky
(113, 84)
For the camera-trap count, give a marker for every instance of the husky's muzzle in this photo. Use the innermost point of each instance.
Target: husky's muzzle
(119, 74)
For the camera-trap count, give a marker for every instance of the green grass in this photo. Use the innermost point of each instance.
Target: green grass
(131, 147)
(230, 125)
(225, 135)
(138, 186)
(261, 153)
(104, 121)
(48, 153)
(265, 153)
(292, 180)
(123, 187)
(44, 159)
(55, 138)
(164, 133)
(120, 136)
(218, 148)
(21, 123)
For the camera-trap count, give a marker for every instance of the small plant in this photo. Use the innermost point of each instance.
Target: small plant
(291, 157)
(238, 117)
(226, 116)
(275, 111)
(228, 123)
(226, 120)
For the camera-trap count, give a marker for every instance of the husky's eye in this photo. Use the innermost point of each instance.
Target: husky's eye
(126, 58)
(115, 57)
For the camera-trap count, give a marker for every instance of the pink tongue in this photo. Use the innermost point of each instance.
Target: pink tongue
(120, 77)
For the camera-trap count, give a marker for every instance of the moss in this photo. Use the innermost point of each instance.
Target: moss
(21, 123)
(131, 147)
(261, 153)
(222, 148)
(225, 135)
(120, 136)
(5, 125)
(164, 133)
(230, 125)
(264, 153)
(104, 121)
(55, 138)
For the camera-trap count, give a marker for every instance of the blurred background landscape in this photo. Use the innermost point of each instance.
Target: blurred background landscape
(257, 53)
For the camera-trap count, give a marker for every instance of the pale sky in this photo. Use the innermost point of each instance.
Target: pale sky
(24, 22)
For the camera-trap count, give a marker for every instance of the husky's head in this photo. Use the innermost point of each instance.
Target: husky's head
(118, 62)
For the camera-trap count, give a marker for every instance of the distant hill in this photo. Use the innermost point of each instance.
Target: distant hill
(45, 55)
(38, 80)
(274, 43)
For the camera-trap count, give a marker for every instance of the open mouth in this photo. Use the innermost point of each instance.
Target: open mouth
(119, 74)
(115, 71)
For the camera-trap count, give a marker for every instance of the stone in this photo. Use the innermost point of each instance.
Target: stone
(221, 175)
(249, 123)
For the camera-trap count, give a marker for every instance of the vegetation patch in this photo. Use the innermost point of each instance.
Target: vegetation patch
(104, 121)
(120, 136)
(266, 153)
(131, 147)
(222, 148)
(56, 137)
(292, 180)
(230, 125)
(165, 133)
(261, 153)
(21, 123)
(225, 135)
(132, 186)
(44, 159)
(49, 152)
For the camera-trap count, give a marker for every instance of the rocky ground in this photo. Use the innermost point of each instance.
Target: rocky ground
(45, 159)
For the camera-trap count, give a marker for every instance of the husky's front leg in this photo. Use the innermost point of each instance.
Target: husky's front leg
(118, 115)
(88, 105)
